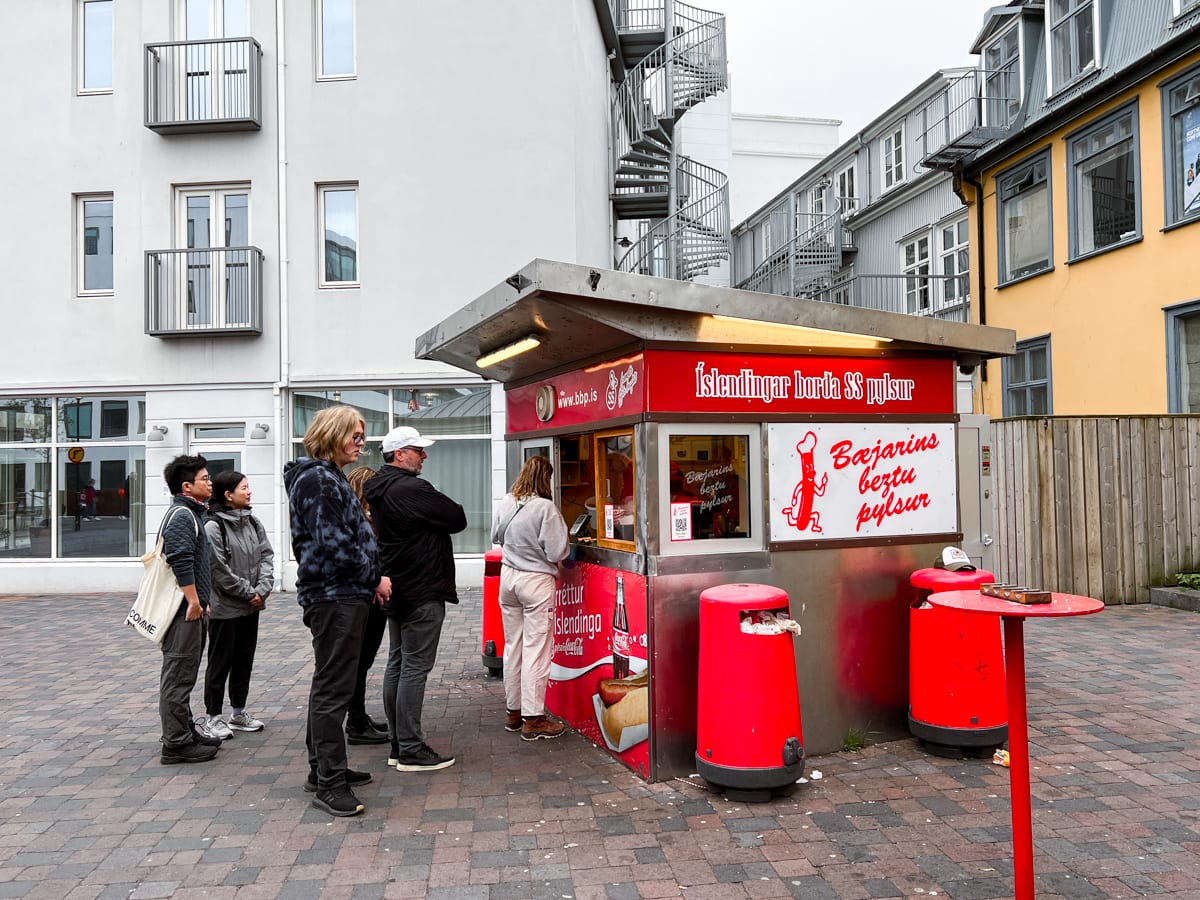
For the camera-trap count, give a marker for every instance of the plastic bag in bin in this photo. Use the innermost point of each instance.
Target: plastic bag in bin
(766, 621)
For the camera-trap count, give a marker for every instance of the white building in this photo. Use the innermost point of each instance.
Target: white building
(239, 211)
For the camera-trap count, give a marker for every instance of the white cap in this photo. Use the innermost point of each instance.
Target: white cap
(404, 436)
(955, 560)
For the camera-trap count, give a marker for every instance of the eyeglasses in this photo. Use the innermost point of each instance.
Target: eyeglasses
(416, 450)
(207, 478)
(359, 439)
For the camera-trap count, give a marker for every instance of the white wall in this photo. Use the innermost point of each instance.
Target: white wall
(770, 152)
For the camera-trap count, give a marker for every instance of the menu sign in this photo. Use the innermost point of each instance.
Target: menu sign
(832, 481)
(693, 381)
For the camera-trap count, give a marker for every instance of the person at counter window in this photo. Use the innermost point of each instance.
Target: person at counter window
(530, 530)
(414, 521)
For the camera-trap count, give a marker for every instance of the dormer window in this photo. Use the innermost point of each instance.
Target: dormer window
(1002, 79)
(1073, 40)
(891, 156)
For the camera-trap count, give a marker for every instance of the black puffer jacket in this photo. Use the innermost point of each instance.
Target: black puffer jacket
(415, 521)
(336, 556)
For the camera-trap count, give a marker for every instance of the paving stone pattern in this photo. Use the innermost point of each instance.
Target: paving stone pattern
(87, 811)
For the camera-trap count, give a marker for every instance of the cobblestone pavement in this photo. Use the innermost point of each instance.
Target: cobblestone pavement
(87, 811)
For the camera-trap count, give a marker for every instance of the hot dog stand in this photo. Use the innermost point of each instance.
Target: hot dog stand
(702, 436)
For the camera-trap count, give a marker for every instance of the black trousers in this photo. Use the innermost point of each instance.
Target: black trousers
(231, 646)
(337, 637)
(372, 639)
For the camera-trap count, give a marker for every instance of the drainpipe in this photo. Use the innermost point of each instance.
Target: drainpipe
(980, 252)
(282, 433)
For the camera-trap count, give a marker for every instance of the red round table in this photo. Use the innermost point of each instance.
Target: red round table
(1014, 615)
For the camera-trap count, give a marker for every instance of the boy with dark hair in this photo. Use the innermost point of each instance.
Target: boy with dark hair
(185, 546)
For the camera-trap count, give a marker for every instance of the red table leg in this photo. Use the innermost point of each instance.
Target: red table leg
(1018, 756)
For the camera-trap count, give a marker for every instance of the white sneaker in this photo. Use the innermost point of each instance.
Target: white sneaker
(213, 727)
(244, 722)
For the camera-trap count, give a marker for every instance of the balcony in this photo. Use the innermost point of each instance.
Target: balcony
(970, 112)
(204, 292)
(204, 86)
(945, 297)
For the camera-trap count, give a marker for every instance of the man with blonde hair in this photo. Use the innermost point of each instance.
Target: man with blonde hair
(337, 578)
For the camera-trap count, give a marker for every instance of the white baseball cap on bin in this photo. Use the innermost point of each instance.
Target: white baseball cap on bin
(953, 559)
(404, 436)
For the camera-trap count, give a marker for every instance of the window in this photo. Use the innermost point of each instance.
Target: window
(1182, 6)
(711, 474)
(339, 234)
(1027, 379)
(916, 271)
(114, 418)
(1104, 184)
(1181, 131)
(1023, 202)
(816, 200)
(955, 262)
(214, 226)
(77, 421)
(95, 254)
(216, 81)
(891, 155)
(845, 189)
(616, 489)
(1073, 40)
(335, 39)
(1183, 358)
(95, 47)
(1002, 79)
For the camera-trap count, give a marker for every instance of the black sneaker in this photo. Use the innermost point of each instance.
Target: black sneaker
(353, 779)
(424, 760)
(338, 802)
(394, 756)
(188, 753)
(363, 731)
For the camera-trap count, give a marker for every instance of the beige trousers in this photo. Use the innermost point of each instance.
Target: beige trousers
(527, 606)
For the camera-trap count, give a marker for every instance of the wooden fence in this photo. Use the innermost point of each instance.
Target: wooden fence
(1102, 506)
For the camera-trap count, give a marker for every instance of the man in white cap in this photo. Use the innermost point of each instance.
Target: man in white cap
(414, 521)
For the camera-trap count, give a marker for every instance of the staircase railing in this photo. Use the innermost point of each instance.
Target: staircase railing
(648, 15)
(687, 242)
(814, 253)
(695, 63)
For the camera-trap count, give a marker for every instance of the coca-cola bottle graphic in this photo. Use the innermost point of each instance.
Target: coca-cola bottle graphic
(620, 635)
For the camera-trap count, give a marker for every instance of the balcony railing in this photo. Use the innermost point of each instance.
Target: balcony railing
(940, 296)
(203, 86)
(204, 292)
(965, 116)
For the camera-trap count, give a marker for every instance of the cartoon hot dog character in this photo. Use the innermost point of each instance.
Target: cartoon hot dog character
(801, 513)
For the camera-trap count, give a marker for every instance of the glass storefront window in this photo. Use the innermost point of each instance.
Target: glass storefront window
(371, 404)
(435, 411)
(112, 521)
(24, 502)
(25, 419)
(616, 495)
(119, 418)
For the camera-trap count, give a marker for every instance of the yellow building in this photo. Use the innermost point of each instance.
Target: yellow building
(1081, 169)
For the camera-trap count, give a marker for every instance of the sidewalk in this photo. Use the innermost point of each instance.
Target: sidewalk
(87, 811)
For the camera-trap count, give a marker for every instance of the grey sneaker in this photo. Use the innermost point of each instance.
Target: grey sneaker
(244, 722)
(213, 727)
(424, 760)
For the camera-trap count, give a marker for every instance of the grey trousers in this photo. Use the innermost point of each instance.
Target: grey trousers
(337, 636)
(413, 641)
(181, 651)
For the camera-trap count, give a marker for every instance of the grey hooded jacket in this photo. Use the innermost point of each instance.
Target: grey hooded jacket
(243, 563)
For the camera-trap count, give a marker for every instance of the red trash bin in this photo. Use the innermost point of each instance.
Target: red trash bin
(956, 668)
(749, 739)
(493, 622)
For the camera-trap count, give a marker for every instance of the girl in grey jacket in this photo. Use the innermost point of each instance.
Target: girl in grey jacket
(243, 573)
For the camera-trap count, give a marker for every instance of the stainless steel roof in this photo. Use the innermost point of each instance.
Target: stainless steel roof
(584, 314)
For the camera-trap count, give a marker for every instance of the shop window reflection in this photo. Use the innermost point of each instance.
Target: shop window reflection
(708, 472)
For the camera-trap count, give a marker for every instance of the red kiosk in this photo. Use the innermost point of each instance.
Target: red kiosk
(702, 436)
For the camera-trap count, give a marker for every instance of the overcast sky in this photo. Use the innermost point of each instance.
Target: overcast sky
(841, 59)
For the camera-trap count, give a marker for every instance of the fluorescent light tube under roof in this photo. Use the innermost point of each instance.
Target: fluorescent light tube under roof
(508, 351)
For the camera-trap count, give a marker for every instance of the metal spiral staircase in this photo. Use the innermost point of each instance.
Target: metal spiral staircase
(675, 59)
(805, 265)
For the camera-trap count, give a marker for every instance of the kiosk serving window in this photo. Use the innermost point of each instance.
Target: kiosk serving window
(616, 503)
(711, 474)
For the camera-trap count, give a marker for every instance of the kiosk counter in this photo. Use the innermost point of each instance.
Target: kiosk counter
(702, 436)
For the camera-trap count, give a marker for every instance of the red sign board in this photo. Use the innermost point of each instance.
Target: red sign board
(697, 381)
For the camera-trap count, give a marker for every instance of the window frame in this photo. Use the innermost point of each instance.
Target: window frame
(891, 165)
(323, 283)
(1008, 388)
(1172, 167)
(920, 269)
(1183, 7)
(81, 49)
(1073, 164)
(755, 506)
(1176, 315)
(81, 239)
(319, 43)
(988, 78)
(1056, 84)
(1004, 181)
(844, 180)
(959, 248)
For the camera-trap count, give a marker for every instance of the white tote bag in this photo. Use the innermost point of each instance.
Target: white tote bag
(159, 595)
